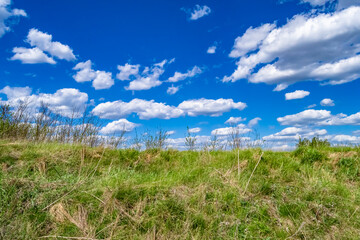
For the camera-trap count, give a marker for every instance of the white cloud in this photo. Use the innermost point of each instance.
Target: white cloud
(316, 3)
(149, 78)
(121, 125)
(298, 94)
(210, 107)
(235, 120)
(31, 56)
(342, 119)
(327, 102)
(151, 109)
(254, 122)
(318, 46)
(341, 4)
(311, 106)
(103, 80)
(251, 40)
(172, 132)
(144, 109)
(16, 92)
(356, 132)
(100, 79)
(306, 117)
(85, 72)
(319, 118)
(127, 71)
(64, 101)
(199, 12)
(182, 76)
(194, 130)
(294, 133)
(239, 130)
(44, 42)
(6, 13)
(343, 139)
(347, 3)
(19, 12)
(211, 50)
(172, 90)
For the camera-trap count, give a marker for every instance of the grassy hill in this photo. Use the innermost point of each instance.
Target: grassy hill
(58, 191)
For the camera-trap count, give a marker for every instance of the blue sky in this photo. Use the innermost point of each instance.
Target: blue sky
(173, 64)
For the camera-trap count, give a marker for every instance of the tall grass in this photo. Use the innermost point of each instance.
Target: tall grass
(59, 191)
(21, 123)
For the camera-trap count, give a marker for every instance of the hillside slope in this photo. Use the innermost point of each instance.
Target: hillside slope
(55, 191)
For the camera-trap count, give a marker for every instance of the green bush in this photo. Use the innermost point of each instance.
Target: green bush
(309, 155)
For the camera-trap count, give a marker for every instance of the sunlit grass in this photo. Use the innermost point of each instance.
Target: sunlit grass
(56, 190)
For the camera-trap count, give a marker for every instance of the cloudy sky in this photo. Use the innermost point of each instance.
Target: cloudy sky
(281, 68)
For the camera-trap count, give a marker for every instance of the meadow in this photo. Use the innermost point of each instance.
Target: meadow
(59, 179)
(72, 191)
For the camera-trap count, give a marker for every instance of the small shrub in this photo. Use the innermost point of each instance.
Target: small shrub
(309, 155)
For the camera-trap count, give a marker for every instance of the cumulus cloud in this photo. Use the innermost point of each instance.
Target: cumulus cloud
(298, 94)
(103, 80)
(31, 56)
(199, 12)
(210, 107)
(16, 92)
(306, 117)
(172, 90)
(182, 76)
(234, 120)
(327, 102)
(341, 4)
(151, 109)
(148, 79)
(64, 101)
(42, 45)
(294, 133)
(119, 126)
(238, 130)
(7, 13)
(126, 71)
(44, 42)
(144, 109)
(251, 40)
(85, 73)
(320, 47)
(194, 130)
(319, 118)
(343, 139)
(211, 50)
(254, 122)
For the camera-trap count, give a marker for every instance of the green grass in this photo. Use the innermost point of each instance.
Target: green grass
(74, 191)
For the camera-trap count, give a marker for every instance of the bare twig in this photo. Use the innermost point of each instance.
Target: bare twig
(247, 184)
(238, 158)
(297, 231)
